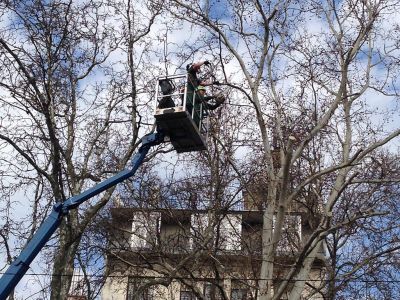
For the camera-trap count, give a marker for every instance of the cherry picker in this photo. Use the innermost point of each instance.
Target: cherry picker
(174, 124)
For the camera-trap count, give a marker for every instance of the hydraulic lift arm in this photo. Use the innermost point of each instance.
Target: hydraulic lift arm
(19, 267)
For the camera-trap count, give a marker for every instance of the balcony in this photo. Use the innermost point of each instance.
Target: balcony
(181, 231)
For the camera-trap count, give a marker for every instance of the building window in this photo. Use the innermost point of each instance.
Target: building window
(240, 291)
(187, 295)
(134, 284)
(252, 239)
(239, 294)
(212, 292)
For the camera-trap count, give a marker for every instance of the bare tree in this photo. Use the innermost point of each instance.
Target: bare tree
(301, 79)
(310, 85)
(69, 117)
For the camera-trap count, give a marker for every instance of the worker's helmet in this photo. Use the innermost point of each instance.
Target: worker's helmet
(200, 87)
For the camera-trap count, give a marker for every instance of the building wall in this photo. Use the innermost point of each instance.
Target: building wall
(235, 261)
(115, 288)
(176, 289)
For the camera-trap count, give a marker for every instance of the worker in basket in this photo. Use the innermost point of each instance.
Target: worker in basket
(193, 80)
(196, 92)
(201, 98)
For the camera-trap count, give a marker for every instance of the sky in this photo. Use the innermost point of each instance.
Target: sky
(187, 34)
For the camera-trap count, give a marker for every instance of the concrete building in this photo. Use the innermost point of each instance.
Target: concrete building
(180, 254)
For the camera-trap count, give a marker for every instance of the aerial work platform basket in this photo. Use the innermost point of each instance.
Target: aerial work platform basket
(180, 114)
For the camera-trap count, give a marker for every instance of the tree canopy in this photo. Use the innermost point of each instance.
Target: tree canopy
(310, 124)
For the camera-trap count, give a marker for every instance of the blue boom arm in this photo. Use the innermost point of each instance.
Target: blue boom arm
(19, 267)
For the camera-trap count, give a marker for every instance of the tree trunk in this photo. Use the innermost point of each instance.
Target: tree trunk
(63, 267)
